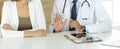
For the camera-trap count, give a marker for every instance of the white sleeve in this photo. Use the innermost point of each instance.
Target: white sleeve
(41, 21)
(5, 19)
(104, 23)
(12, 34)
(5, 14)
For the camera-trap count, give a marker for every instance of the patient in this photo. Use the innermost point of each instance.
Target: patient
(23, 18)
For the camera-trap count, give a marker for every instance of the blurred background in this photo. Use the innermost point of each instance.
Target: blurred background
(111, 6)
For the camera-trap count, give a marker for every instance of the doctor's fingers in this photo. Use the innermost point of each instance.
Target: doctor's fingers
(64, 22)
(73, 24)
(57, 16)
(57, 13)
(60, 20)
(55, 20)
(60, 17)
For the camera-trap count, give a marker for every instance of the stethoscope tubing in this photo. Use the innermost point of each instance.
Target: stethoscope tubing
(81, 4)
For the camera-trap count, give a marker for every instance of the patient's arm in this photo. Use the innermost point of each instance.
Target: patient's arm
(39, 33)
(8, 30)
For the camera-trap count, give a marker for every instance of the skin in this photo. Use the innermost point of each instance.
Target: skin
(7, 27)
(23, 11)
(76, 25)
(59, 24)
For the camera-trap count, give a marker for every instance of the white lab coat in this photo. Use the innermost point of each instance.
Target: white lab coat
(97, 18)
(10, 16)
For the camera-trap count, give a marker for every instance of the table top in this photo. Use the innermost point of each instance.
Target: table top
(56, 41)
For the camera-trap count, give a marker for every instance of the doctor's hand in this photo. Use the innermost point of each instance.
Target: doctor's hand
(76, 25)
(7, 27)
(58, 23)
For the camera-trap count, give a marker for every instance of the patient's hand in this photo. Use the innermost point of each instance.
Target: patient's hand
(7, 27)
(40, 32)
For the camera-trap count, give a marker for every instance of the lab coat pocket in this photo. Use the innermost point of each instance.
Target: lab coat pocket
(85, 14)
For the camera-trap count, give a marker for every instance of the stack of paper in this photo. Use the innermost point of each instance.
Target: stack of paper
(113, 43)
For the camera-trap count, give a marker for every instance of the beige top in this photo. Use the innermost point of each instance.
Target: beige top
(24, 23)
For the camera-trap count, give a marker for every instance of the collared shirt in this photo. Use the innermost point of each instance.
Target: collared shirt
(77, 5)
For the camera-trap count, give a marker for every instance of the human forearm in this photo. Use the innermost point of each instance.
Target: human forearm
(28, 33)
(35, 33)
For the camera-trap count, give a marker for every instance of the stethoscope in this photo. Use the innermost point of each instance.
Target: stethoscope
(81, 4)
(85, 1)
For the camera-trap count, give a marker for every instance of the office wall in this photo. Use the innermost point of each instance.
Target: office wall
(1, 4)
(48, 6)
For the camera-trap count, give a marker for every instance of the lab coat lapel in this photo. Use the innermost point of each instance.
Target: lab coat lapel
(67, 15)
(14, 17)
(79, 15)
(32, 14)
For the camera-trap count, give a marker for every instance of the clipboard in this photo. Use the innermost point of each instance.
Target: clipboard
(81, 40)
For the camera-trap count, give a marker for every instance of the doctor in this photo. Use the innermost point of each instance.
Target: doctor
(81, 15)
(23, 18)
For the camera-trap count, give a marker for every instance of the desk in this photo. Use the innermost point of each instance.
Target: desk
(53, 41)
